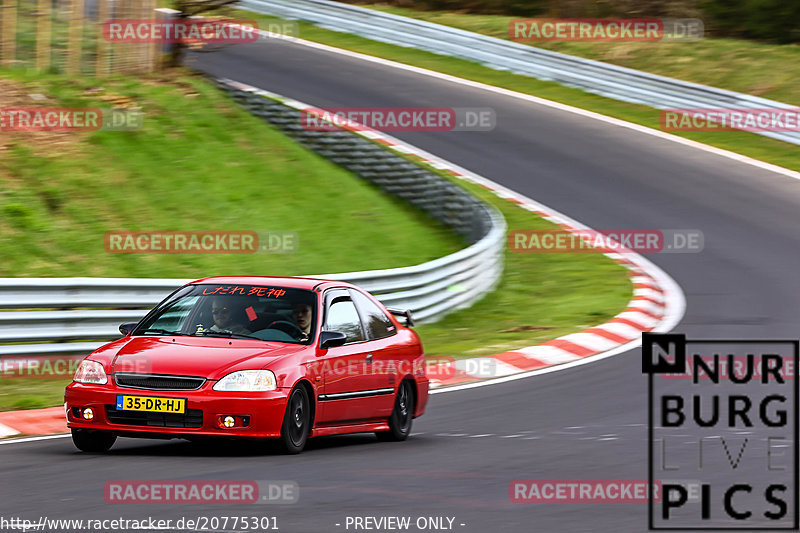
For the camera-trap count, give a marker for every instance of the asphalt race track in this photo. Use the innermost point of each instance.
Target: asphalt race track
(585, 422)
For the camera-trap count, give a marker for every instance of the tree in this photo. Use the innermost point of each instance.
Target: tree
(192, 8)
(767, 20)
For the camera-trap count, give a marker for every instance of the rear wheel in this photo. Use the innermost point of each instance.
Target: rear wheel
(296, 421)
(88, 440)
(402, 415)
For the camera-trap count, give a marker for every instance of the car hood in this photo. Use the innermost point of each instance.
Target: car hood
(208, 357)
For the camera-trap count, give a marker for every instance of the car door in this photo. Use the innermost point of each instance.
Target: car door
(348, 391)
(387, 363)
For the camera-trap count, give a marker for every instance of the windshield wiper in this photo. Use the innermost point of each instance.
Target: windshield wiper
(164, 332)
(228, 333)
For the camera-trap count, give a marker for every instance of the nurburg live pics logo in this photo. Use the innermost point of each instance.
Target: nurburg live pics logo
(722, 413)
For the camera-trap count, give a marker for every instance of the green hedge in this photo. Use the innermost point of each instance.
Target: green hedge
(766, 20)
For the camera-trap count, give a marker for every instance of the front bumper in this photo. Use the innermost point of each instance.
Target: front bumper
(264, 412)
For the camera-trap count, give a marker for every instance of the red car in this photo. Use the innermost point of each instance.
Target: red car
(253, 357)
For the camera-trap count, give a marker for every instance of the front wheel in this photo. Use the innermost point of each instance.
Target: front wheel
(87, 440)
(402, 415)
(296, 421)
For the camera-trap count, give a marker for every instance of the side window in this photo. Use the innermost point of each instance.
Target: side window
(342, 316)
(376, 323)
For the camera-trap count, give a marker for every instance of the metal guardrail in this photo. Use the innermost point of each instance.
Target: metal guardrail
(612, 81)
(42, 314)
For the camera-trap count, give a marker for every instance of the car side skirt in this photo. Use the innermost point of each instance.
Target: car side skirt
(354, 394)
(353, 428)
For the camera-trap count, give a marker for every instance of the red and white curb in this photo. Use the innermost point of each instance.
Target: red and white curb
(645, 312)
(33, 422)
(6, 431)
(657, 303)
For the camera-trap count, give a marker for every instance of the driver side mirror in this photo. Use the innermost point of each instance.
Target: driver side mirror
(331, 339)
(126, 328)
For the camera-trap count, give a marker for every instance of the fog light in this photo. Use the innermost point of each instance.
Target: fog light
(88, 413)
(229, 421)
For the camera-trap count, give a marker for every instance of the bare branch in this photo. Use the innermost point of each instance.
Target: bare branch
(192, 8)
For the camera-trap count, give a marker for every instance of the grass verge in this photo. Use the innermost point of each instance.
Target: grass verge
(200, 162)
(28, 393)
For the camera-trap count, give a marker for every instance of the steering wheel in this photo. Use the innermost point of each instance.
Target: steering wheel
(287, 327)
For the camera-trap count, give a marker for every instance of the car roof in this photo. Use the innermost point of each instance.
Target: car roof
(283, 281)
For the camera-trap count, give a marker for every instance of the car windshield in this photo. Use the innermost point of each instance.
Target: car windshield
(263, 312)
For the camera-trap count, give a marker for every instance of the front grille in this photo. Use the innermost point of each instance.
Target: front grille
(158, 382)
(193, 418)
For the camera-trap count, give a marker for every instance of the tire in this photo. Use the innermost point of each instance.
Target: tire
(402, 415)
(297, 421)
(87, 440)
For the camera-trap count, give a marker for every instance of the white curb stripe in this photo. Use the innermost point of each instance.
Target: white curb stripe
(485, 367)
(6, 431)
(647, 306)
(649, 293)
(644, 280)
(590, 341)
(636, 315)
(624, 330)
(643, 320)
(548, 354)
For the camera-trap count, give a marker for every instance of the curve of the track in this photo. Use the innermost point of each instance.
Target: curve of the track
(586, 422)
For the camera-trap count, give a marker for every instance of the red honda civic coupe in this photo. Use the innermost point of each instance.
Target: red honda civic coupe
(253, 357)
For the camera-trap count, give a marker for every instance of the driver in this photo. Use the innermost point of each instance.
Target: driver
(301, 314)
(222, 311)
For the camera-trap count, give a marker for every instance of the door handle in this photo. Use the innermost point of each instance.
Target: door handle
(369, 358)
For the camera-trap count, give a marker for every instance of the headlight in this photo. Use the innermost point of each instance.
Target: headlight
(247, 380)
(91, 372)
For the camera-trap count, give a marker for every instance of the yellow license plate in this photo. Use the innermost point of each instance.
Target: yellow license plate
(152, 404)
